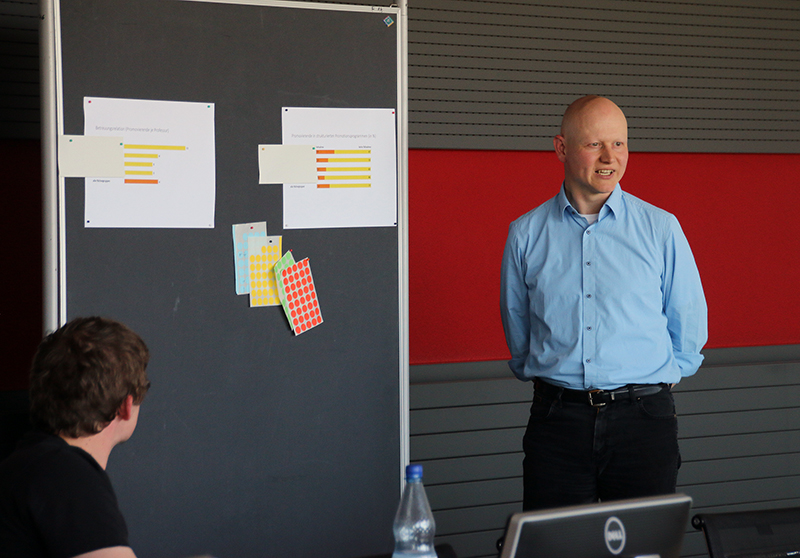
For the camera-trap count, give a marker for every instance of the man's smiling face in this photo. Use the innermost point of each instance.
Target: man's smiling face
(593, 145)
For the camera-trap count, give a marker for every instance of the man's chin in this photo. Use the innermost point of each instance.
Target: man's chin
(604, 187)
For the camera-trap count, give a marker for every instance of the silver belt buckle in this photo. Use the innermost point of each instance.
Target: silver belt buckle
(591, 398)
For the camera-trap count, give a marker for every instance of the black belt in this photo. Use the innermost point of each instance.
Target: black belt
(597, 397)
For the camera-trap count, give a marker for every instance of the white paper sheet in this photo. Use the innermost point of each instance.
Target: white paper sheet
(169, 159)
(356, 168)
(82, 156)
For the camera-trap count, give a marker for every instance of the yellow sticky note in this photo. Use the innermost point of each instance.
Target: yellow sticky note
(263, 252)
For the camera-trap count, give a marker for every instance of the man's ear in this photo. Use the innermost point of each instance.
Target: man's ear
(125, 410)
(560, 145)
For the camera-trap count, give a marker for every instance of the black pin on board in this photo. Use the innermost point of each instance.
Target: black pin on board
(252, 441)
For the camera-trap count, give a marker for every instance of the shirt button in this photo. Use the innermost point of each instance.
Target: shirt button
(588, 360)
(589, 328)
(588, 296)
(588, 263)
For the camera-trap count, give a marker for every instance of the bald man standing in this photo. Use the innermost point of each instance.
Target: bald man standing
(603, 310)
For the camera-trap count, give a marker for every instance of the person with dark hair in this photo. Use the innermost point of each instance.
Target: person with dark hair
(87, 382)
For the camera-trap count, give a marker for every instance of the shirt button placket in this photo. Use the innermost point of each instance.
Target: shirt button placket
(589, 307)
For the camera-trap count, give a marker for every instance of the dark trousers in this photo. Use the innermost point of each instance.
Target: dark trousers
(578, 454)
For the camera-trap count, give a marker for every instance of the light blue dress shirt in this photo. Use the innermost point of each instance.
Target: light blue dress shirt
(604, 305)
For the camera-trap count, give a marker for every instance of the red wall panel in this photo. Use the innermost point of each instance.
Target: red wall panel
(737, 211)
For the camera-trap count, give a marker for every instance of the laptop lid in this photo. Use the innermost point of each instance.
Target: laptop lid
(642, 527)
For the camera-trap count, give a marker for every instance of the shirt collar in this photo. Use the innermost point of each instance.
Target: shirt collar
(613, 203)
(563, 203)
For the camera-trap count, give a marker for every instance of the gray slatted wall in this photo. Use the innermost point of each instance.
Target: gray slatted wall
(699, 76)
(702, 76)
(739, 433)
(19, 65)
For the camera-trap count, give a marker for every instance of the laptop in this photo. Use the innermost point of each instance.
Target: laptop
(638, 528)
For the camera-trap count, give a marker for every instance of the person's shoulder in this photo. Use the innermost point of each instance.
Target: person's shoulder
(535, 217)
(47, 460)
(33, 447)
(638, 204)
(61, 493)
(642, 210)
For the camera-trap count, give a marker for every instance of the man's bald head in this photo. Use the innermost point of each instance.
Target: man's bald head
(576, 113)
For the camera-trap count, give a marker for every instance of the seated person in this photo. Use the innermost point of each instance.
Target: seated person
(87, 381)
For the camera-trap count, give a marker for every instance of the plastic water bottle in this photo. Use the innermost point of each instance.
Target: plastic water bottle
(414, 527)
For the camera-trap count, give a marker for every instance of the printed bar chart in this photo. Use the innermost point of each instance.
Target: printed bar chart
(166, 178)
(334, 169)
(355, 183)
(136, 168)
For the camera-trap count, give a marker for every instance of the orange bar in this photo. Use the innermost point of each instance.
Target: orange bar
(140, 181)
(356, 185)
(326, 151)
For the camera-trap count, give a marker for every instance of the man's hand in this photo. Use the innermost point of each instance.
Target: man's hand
(110, 552)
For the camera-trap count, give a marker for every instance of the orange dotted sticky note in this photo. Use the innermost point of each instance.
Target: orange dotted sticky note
(301, 297)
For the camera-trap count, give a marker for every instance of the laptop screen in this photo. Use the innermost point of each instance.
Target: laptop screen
(643, 527)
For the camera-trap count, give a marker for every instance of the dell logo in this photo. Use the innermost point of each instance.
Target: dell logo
(614, 535)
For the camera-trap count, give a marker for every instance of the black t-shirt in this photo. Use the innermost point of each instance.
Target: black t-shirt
(56, 501)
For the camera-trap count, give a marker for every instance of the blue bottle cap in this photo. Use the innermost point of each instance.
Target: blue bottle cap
(413, 471)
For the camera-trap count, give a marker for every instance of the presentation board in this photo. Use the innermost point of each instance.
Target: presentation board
(259, 437)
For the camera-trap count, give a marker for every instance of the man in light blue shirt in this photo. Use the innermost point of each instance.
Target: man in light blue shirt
(603, 309)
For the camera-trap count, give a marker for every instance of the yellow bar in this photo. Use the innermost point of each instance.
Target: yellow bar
(142, 155)
(350, 160)
(139, 173)
(344, 151)
(351, 177)
(155, 147)
(136, 164)
(344, 169)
